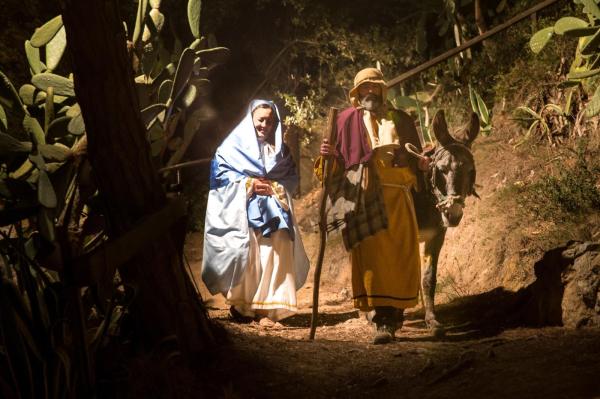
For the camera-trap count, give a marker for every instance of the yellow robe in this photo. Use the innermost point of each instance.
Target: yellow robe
(386, 267)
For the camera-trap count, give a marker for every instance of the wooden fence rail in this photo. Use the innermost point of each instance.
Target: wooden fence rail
(469, 43)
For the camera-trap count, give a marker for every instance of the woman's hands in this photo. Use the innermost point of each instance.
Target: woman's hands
(262, 186)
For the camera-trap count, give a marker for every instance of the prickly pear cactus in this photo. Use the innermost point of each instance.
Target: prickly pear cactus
(43, 170)
(44, 143)
(173, 88)
(586, 63)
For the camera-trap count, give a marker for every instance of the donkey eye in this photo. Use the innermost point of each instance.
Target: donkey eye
(444, 166)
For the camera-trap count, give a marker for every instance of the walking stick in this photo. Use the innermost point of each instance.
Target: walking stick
(331, 137)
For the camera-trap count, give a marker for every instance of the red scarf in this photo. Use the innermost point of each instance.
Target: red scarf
(352, 141)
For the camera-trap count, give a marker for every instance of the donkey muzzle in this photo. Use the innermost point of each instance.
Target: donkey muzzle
(452, 211)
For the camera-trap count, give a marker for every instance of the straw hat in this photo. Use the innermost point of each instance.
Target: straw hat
(372, 75)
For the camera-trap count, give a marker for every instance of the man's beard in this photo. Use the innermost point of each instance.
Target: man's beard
(371, 102)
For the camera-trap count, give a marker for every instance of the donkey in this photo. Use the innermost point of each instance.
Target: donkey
(450, 179)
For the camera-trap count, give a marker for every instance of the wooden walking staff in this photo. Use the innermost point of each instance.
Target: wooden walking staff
(331, 136)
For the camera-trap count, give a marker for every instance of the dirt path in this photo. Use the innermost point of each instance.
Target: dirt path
(278, 361)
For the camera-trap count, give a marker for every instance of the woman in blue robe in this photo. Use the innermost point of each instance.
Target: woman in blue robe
(253, 252)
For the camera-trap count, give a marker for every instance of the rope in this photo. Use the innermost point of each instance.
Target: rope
(414, 151)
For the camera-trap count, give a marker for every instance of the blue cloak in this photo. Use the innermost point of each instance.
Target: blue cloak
(230, 214)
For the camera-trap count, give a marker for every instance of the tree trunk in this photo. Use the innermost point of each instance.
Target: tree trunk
(482, 27)
(479, 18)
(166, 305)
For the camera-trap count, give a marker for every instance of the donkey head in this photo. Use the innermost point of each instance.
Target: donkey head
(453, 168)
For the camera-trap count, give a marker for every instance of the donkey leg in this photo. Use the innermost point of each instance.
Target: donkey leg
(431, 256)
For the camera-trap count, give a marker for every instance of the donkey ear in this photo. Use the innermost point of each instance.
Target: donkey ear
(473, 130)
(469, 133)
(440, 129)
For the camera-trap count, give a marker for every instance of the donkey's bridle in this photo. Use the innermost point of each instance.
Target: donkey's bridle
(443, 201)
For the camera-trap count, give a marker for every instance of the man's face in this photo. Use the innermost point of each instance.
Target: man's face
(369, 96)
(264, 122)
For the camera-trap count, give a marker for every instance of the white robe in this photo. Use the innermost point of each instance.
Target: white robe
(258, 275)
(267, 287)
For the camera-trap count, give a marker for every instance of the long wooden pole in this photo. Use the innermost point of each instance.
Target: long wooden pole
(331, 137)
(188, 164)
(469, 43)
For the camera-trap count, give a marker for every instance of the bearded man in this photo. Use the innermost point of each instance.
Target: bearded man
(371, 199)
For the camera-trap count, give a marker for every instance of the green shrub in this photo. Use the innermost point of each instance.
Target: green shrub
(532, 78)
(574, 191)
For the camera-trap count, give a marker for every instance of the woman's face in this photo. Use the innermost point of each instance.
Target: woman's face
(264, 122)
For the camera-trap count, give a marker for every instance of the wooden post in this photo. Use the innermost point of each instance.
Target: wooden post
(292, 139)
(331, 136)
(533, 22)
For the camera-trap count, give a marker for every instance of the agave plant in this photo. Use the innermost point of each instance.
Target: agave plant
(478, 106)
(547, 123)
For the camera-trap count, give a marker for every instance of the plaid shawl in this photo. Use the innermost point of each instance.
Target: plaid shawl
(355, 204)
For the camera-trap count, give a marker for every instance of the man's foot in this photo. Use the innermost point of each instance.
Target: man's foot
(384, 334)
(369, 315)
(437, 329)
(238, 317)
(399, 318)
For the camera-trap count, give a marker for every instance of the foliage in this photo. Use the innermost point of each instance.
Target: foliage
(422, 102)
(301, 114)
(478, 106)
(551, 121)
(531, 79)
(318, 46)
(301, 111)
(417, 103)
(497, 70)
(574, 190)
(172, 86)
(586, 62)
(321, 45)
(50, 211)
(39, 335)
